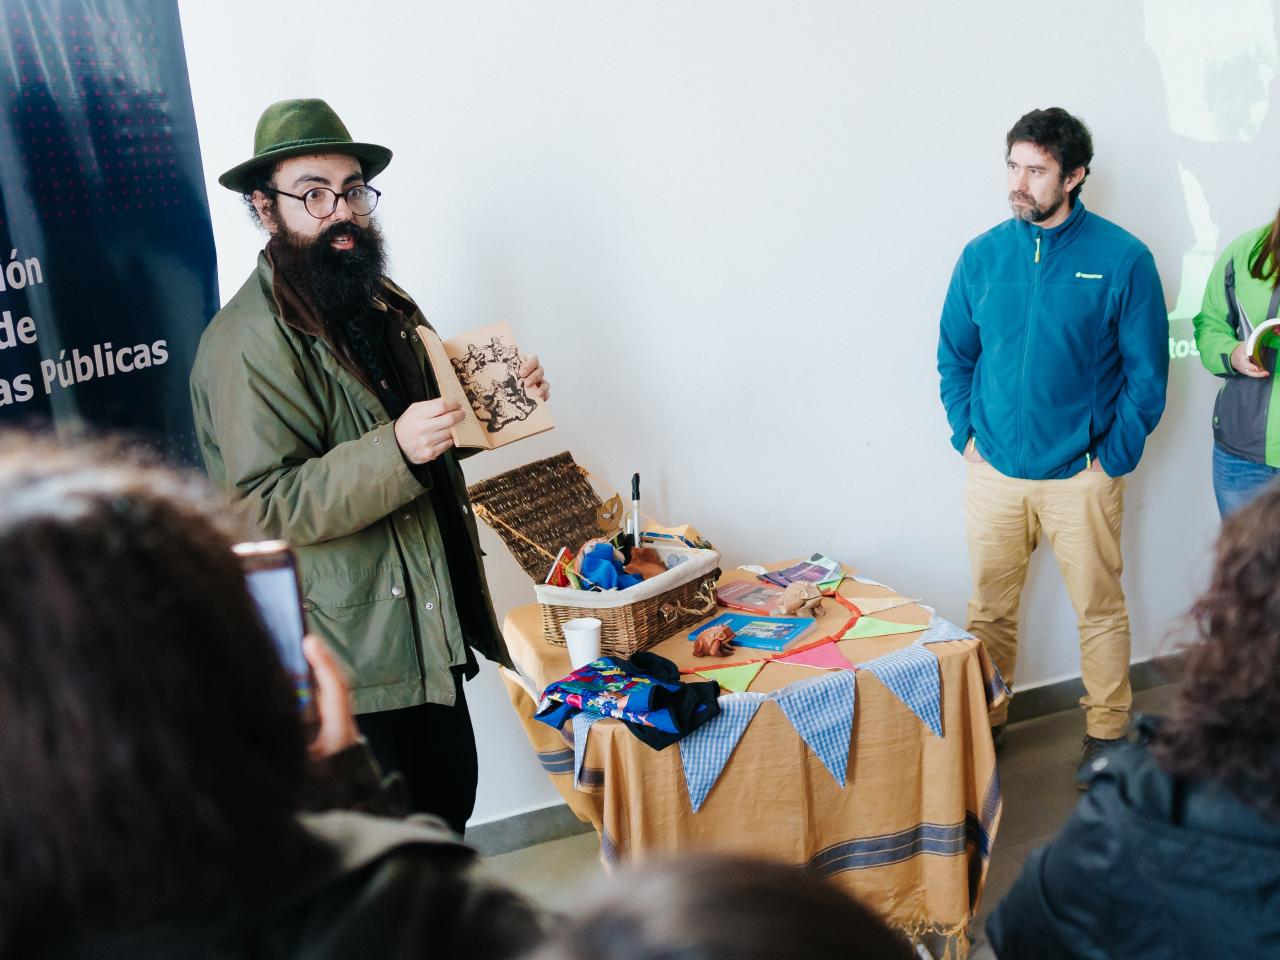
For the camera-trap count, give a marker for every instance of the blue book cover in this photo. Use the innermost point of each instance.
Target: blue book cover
(761, 633)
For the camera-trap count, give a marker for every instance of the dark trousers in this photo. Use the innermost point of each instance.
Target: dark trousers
(434, 748)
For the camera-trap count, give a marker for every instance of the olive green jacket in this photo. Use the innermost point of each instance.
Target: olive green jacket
(310, 454)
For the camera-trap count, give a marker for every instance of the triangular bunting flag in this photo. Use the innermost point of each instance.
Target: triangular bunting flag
(912, 675)
(734, 679)
(704, 752)
(868, 581)
(826, 656)
(941, 629)
(873, 627)
(581, 727)
(869, 605)
(821, 710)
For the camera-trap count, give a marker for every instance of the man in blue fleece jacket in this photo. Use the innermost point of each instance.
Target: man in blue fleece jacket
(1054, 359)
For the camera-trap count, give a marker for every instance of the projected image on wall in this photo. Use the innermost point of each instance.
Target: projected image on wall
(1219, 63)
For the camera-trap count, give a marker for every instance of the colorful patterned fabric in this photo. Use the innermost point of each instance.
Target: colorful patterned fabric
(644, 692)
(912, 674)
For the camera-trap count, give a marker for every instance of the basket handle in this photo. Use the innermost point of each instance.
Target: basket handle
(706, 598)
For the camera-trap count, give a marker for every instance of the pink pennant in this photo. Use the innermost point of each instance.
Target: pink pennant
(826, 656)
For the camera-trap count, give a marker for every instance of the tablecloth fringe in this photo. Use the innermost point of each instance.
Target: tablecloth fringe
(955, 936)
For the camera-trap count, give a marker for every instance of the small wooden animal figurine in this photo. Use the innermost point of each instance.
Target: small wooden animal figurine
(714, 642)
(800, 600)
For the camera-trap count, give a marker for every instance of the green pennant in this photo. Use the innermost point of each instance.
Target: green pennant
(875, 627)
(734, 679)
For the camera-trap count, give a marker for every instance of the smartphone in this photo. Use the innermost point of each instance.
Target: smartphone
(271, 573)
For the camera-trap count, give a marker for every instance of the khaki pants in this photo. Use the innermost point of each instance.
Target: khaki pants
(1081, 517)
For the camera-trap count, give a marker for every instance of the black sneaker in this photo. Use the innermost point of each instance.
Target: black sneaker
(1093, 757)
(997, 736)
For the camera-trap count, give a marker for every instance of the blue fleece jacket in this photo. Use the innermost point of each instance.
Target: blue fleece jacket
(1054, 347)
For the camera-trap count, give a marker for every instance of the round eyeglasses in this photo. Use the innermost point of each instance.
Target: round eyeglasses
(321, 201)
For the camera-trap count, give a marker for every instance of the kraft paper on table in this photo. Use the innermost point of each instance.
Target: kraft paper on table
(911, 828)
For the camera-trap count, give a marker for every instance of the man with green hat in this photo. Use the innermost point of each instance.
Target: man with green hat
(317, 412)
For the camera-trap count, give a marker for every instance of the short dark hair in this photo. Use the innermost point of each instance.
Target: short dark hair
(1225, 723)
(1059, 134)
(725, 908)
(149, 742)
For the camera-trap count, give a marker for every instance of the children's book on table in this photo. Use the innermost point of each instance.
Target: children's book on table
(761, 633)
(749, 596)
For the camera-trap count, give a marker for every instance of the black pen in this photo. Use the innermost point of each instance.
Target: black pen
(635, 510)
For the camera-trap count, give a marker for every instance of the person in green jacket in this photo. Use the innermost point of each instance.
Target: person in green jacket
(316, 410)
(1242, 293)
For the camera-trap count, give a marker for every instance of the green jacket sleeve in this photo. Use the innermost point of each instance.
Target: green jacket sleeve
(270, 439)
(1215, 338)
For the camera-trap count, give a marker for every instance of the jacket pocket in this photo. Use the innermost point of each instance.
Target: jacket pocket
(1240, 417)
(365, 615)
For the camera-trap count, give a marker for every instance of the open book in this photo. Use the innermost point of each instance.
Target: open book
(480, 371)
(1253, 346)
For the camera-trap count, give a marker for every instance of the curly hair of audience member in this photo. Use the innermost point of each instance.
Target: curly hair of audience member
(1226, 720)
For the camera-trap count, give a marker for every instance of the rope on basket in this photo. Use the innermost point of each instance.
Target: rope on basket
(490, 518)
(706, 593)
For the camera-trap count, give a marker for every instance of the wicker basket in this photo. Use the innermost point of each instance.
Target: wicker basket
(543, 506)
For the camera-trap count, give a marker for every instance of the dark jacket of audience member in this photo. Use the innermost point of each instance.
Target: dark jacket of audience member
(1175, 850)
(153, 768)
(709, 907)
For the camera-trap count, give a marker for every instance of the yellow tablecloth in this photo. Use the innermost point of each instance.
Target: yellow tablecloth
(909, 834)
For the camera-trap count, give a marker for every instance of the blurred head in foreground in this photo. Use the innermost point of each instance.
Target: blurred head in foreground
(725, 908)
(151, 752)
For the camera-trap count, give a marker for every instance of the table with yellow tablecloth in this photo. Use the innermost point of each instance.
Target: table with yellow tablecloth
(911, 830)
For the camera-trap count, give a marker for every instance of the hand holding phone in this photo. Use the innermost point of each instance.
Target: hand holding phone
(272, 577)
(337, 728)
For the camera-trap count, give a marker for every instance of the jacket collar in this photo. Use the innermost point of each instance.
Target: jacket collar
(1053, 238)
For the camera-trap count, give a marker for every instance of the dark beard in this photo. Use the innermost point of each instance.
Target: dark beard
(1033, 213)
(341, 284)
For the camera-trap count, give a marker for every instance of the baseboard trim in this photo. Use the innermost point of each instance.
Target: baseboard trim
(1065, 694)
(557, 821)
(525, 829)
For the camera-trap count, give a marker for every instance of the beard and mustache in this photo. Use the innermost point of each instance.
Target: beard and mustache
(341, 284)
(1033, 212)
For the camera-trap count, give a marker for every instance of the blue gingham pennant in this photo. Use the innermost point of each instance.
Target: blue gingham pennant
(821, 710)
(913, 676)
(941, 629)
(704, 752)
(581, 727)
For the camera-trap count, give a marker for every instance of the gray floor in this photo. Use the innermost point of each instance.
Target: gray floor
(1037, 773)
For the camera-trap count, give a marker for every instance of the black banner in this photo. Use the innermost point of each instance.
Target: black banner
(107, 270)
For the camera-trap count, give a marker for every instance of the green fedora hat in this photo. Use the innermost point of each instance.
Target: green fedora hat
(299, 128)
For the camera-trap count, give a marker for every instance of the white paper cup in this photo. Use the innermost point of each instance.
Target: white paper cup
(582, 635)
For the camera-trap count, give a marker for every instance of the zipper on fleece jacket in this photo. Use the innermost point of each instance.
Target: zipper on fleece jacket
(1026, 348)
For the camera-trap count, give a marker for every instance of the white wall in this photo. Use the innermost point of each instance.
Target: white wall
(727, 229)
